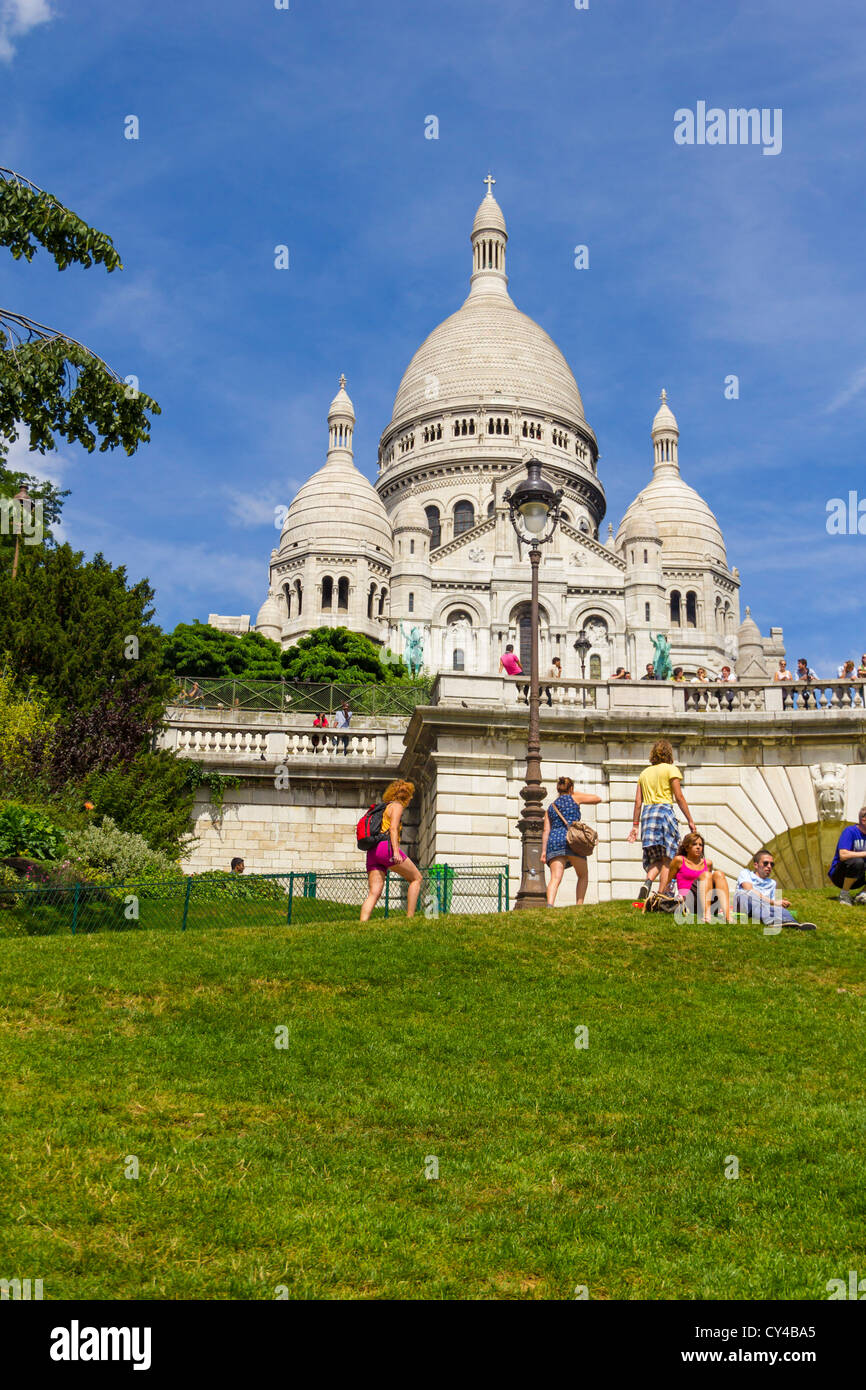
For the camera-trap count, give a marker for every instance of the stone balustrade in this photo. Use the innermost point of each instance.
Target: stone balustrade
(753, 698)
(256, 740)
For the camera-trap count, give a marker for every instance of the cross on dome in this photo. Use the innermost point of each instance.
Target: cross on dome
(490, 181)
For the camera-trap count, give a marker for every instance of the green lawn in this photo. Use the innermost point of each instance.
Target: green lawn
(453, 1038)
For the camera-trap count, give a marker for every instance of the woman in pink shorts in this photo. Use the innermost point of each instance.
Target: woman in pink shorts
(388, 854)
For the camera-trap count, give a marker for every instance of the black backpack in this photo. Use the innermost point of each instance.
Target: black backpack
(369, 832)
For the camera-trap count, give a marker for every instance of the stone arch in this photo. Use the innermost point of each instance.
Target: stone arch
(476, 610)
(463, 516)
(326, 593)
(343, 594)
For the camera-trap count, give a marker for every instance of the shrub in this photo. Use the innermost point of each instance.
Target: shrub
(9, 881)
(222, 883)
(152, 797)
(103, 853)
(23, 831)
(27, 731)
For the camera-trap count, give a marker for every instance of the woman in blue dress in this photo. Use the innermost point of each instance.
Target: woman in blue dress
(554, 850)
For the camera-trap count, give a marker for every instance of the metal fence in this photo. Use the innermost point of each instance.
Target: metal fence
(234, 900)
(397, 697)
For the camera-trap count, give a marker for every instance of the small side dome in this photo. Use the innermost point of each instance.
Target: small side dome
(749, 634)
(410, 516)
(269, 620)
(637, 525)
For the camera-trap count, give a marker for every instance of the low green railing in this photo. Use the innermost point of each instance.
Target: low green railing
(201, 901)
(398, 697)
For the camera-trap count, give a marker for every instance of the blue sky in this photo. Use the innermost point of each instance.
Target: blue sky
(261, 126)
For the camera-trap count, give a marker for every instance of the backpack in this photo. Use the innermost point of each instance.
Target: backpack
(369, 832)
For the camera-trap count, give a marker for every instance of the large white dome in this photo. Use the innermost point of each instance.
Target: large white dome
(488, 349)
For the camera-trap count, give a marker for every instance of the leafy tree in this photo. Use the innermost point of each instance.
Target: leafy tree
(151, 796)
(86, 636)
(49, 382)
(336, 654)
(27, 733)
(197, 649)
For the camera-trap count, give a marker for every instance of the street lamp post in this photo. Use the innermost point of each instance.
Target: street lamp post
(581, 646)
(534, 511)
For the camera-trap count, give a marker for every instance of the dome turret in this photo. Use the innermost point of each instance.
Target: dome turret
(686, 524)
(338, 507)
(269, 621)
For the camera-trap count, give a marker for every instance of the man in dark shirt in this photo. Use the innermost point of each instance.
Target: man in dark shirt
(848, 869)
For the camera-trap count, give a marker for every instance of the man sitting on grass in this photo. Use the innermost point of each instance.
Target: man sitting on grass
(755, 898)
(848, 869)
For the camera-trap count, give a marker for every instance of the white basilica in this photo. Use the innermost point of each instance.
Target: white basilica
(430, 545)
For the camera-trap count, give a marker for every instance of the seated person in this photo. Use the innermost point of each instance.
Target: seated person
(755, 897)
(848, 869)
(700, 886)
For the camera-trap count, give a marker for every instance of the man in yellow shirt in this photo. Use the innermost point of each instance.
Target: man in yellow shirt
(658, 787)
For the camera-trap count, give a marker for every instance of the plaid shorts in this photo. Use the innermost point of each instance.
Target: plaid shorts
(659, 834)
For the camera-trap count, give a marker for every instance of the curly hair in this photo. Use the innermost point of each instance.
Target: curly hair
(661, 752)
(564, 785)
(399, 791)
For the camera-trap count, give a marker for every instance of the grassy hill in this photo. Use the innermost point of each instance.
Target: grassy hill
(454, 1039)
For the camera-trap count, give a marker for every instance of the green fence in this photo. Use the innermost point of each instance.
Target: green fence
(397, 697)
(249, 900)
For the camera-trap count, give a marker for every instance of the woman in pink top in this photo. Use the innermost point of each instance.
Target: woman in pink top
(694, 874)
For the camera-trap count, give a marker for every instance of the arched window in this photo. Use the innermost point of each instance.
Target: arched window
(491, 507)
(691, 609)
(287, 595)
(646, 557)
(675, 608)
(383, 594)
(411, 603)
(327, 591)
(595, 668)
(458, 661)
(434, 521)
(459, 616)
(371, 598)
(343, 594)
(464, 517)
(299, 595)
(564, 516)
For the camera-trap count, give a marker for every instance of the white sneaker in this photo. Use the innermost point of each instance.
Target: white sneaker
(861, 898)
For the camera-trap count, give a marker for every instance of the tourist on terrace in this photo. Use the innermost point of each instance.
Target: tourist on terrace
(388, 854)
(320, 722)
(650, 672)
(861, 669)
(848, 869)
(806, 675)
(679, 675)
(554, 847)
(701, 887)
(658, 787)
(727, 677)
(783, 674)
(846, 670)
(619, 674)
(509, 662)
(342, 720)
(755, 897)
(701, 677)
(554, 674)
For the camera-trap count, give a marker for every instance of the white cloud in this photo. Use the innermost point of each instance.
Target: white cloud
(856, 386)
(17, 18)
